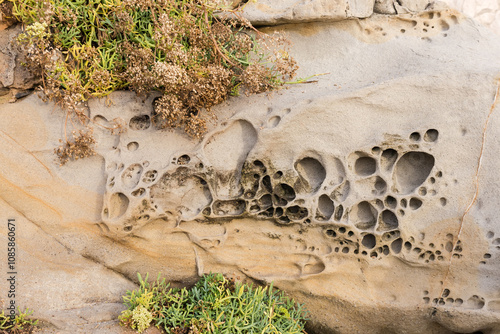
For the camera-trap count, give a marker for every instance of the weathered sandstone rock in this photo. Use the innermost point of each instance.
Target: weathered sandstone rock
(487, 12)
(12, 73)
(271, 12)
(400, 6)
(371, 195)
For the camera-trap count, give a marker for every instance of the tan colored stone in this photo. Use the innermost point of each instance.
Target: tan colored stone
(384, 7)
(414, 5)
(272, 12)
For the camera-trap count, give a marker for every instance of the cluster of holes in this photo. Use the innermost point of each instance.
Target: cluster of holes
(432, 22)
(494, 243)
(474, 302)
(131, 178)
(431, 252)
(134, 174)
(430, 136)
(268, 194)
(344, 238)
(276, 199)
(426, 24)
(410, 171)
(150, 176)
(275, 120)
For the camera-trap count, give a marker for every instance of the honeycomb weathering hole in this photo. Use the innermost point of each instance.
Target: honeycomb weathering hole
(365, 215)
(183, 159)
(431, 135)
(387, 220)
(229, 208)
(118, 204)
(139, 192)
(415, 136)
(296, 212)
(266, 183)
(411, 170)
(369, 241)
(266, 201)
(325, 207)
(341, 192)
(415, 203)
(285, 191)
(365, 166)
(274, 121)
(132, 175)
(141, 122)
(311, 172)
(397, 245)
(380, 186)
(388, 159)
(133, 146)
(391, 202)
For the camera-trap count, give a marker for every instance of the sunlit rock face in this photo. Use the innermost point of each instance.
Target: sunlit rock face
(370, 194)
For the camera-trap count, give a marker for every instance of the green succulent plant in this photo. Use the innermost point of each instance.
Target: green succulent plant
(22, 323)
(214, 305)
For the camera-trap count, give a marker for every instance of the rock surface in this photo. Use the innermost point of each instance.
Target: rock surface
(13, 75)
(400, 6)
(370, 195)
(485, 11)
(270, 12)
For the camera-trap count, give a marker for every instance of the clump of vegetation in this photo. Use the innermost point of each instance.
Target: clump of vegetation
(20, 324)
(214, 305)
(181, 48)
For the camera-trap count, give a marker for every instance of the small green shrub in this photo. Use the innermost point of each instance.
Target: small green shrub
(19, 325)
(214, 305)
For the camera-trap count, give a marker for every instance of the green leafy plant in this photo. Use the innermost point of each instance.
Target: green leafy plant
(21, 324)
(184, 49)
(214, 305)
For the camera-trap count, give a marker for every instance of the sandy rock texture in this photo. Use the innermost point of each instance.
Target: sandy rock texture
(270, 12)
(370, 195)
(485, 11)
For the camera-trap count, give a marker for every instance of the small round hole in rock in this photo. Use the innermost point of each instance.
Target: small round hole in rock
(133, 146)
(369, 241)
(415, 136)
(331, 233)
(365, 166)
(431, 135)
(183, 159)
(415, 203)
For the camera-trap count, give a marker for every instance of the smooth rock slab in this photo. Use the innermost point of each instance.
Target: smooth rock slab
(360, 194)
